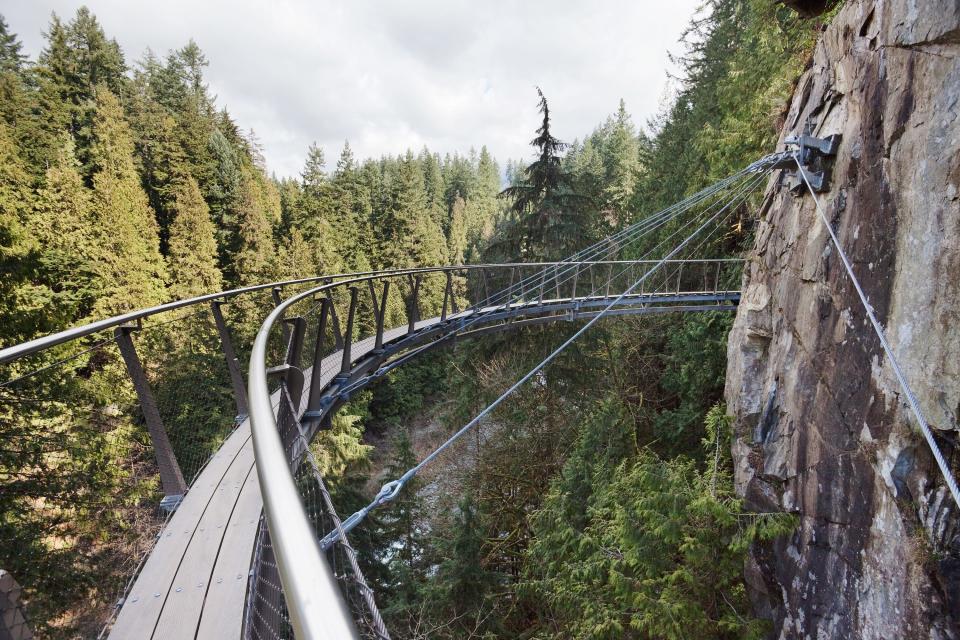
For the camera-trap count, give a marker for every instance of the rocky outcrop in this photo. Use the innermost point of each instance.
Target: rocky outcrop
(822, 429)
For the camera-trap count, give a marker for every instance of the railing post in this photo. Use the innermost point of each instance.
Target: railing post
(413, 310)
(576, 275)
(348, 336)
(447, 295)
(294, 351)
(513, 273)
(379, 313)
(171, 478)
(334, 321)
(316, 383)
(277, 299)
(543, 282)
(233, 364)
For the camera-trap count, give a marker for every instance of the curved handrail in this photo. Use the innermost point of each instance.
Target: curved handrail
(314, 602)
(18, 351)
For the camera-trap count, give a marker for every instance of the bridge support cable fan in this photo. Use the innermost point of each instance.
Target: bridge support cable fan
(390, 490)
(881, 335)
(599, 253)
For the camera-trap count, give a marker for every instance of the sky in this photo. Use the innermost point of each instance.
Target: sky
(392, 75)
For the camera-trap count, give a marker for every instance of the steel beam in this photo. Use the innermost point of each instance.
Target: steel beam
(233, 364)
(348, 334)
(171, 477)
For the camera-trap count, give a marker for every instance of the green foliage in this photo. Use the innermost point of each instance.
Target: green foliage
(192, 255)
(550, 214)
(659, 552)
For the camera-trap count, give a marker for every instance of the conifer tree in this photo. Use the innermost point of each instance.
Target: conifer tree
(64, 224)
(251, 258)
(77, 61)
(17, 248)
(192, 258)
(457, 241)
(400, 530)
(11, 57)
(350, 213)
(132, 269)
(550, 217)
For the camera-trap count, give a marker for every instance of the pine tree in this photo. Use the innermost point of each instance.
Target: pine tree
(132, 270)
(66, 228)
(192, 258)
(11, 58)
(400, 531)
(17, 248)
(551, 224)
(350, 214)
(408, 235)
(252, 257)
(77, 61)
(457, 241)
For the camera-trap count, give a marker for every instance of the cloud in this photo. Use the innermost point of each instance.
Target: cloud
(389, 75)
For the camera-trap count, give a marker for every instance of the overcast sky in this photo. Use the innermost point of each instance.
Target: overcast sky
(390, 75)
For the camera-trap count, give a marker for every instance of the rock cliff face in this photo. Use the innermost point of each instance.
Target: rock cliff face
(821, 428)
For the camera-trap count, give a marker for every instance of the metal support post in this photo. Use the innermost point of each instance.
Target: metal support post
(233, 364)
(413, 309)
(313, 409)
(171, 478)
(379, 313)
(348, 336)
(334, 321)
(447, 295)
(277, 299)
(294, 351)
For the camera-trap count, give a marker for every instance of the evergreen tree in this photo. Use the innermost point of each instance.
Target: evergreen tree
(17, 248)
(251, 258)
(75, 67)
(551, 224)
(69, 277)
(400, 530)
(11, 58)
(132, 268)
(457, 241)
(192, 258)
(351, 212)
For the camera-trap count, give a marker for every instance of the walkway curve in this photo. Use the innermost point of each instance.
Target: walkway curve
(194, 583)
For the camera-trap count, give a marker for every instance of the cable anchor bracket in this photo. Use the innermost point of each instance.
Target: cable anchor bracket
(813, 155)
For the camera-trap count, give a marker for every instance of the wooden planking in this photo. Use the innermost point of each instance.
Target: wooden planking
(186, 592)
(144, 603)
(224, 606)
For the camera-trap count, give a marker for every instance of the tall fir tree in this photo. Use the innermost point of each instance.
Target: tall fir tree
(192, 258)
(551, 223)
(132, 269)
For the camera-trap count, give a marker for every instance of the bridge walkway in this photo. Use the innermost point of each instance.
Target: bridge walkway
(194, 582)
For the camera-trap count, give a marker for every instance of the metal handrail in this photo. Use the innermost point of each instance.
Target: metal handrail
(314, 602)
(18, 351)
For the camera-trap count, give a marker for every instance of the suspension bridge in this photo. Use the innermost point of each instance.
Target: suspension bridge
(249, 542)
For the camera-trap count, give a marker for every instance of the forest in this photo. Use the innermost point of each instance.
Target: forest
(123, 184)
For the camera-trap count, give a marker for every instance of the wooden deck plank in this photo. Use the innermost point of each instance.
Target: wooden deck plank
(224, 606)
(185, 595)
(143, 604)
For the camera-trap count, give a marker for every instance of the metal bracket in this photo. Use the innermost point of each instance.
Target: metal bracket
(812, 153)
